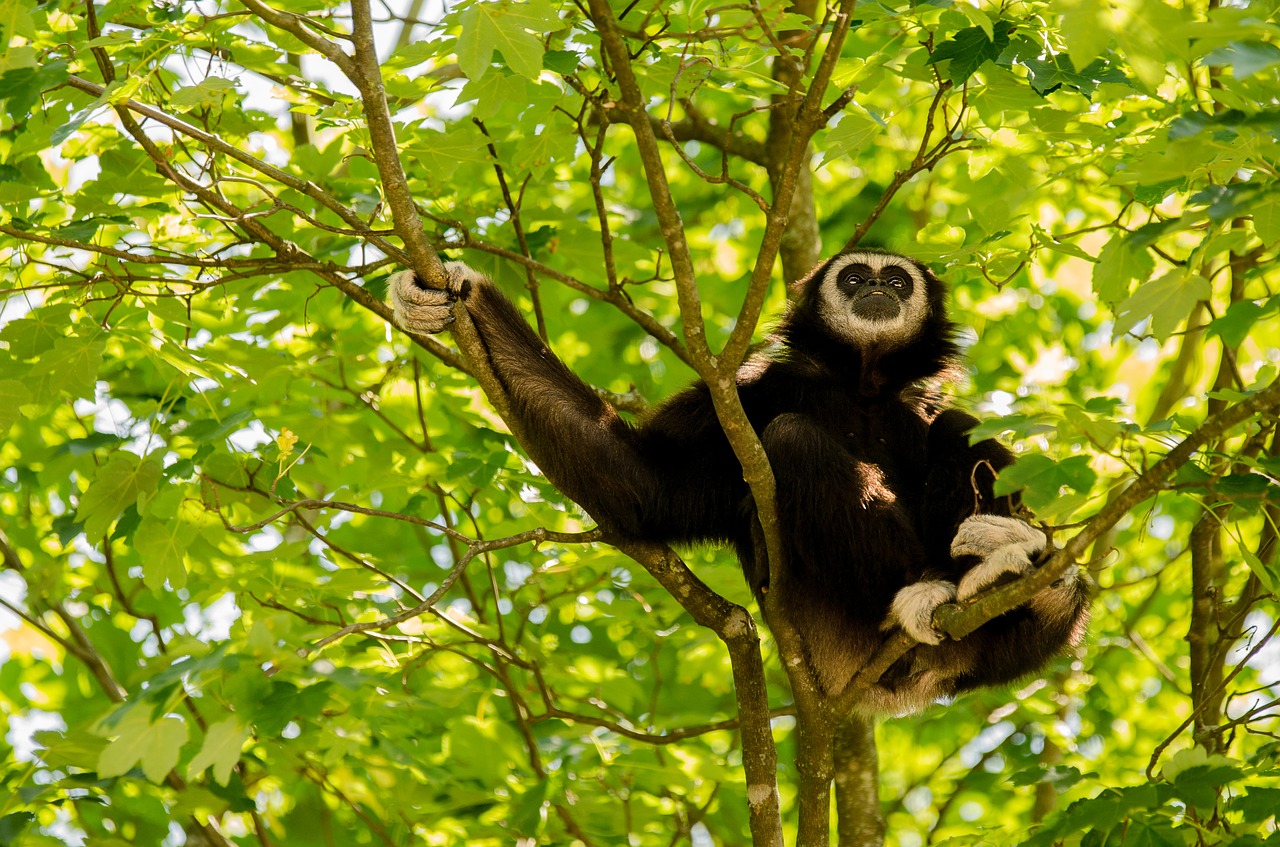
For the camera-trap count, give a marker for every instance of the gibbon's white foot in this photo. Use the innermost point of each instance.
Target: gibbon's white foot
(913, 608)
(1008, 548)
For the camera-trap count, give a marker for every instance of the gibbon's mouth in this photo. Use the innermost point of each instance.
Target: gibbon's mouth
(875, 304)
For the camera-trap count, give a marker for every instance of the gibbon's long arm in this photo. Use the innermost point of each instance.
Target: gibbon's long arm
(657, 481)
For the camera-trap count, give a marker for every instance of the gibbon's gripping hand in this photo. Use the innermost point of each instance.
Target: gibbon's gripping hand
(913, 609)
(1008, 548)
(424, 310)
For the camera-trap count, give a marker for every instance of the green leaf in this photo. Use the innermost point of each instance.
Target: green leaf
(70, 367)
(1155, 833)
(31, 336)
(1268, 575)
(969, 48)
(209, 94)
(1225, 125)
(1266, 220)
(1245, 58)
(507, 28)
(20, 89)
(1258, 804)
(12, 825)
(12, 395)
(493, 93)
(554, 145)
(1003, 91)
(162, 545)
(1192, 757)
(16, 20)
(72, 126)
(155, 746)
(1085, 28)
(444, 152)
(1235, 324)
(853, 134)
(215, 429)
(1101, 431)
(1167, 301)
(1041, 478)
(563, 62)
(124, 481)
(527, 818)
(1154, 193)
(1061, 777)
(1022, 426)
(473, 50)
(1225, 201)
(220, 751)
(1248, 485)
(1119, 264)
(1050, 73)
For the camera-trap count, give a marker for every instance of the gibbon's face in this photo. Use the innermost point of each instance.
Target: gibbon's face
(873, 299)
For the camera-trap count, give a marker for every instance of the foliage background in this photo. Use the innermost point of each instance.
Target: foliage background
(219, 463)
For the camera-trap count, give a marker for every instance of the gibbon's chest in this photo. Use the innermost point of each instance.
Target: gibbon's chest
(886, 432)
(888, 435)
(891, 436)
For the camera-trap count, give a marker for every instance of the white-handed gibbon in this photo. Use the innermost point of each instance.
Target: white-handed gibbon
(886, 509)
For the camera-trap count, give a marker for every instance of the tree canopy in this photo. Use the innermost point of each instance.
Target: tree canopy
(276, 573)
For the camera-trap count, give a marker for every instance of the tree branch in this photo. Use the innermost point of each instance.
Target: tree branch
(736, 628)
(213, 142)
(364, 72)
(664, 207)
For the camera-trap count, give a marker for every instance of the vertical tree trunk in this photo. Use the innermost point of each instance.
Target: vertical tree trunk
(1209, 608)
(860, 820)
(815, 770)
(1203, 634)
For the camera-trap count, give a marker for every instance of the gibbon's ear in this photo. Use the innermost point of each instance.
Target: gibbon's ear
(800, 289)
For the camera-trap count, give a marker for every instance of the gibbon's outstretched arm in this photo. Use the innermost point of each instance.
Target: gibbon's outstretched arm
(885, 509)
(658, 481)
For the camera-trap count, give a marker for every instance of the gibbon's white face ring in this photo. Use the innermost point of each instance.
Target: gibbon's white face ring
(834, 305)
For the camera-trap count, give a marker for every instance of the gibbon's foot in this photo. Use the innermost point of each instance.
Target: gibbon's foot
(424, 310)
(913, 608)
(1008, 548)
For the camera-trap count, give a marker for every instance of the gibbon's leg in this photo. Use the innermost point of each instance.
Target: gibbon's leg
(959, 506)
(576, 439)
(849, 546)
(1023, 640)
(986, 546)
(1001, 650)
(992, 546)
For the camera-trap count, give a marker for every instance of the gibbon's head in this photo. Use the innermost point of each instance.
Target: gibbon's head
(870, 298)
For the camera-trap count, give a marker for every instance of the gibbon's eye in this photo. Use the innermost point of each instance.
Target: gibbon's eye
(896, 278)
(852, 276)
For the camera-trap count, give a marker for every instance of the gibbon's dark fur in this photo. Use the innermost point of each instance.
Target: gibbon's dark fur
(877, 490)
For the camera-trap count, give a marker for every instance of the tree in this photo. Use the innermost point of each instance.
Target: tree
(275, 575)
